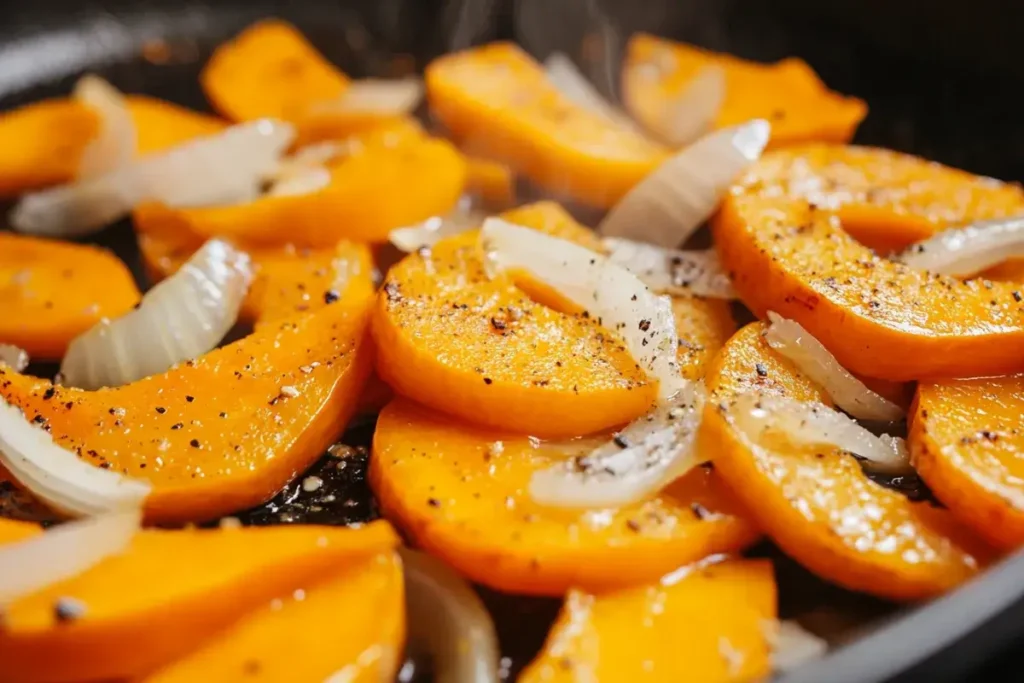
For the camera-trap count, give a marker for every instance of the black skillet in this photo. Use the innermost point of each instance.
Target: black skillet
(928, 95)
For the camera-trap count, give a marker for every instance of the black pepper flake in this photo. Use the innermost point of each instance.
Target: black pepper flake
(761, 370)
(433, 502)
(223, 414)
(645, 325)
(498, 324)
(621, 441)
(331, 295)
(633, 525)
(69, 405)
(48, 394)
(177, 425)
(38, 419)
(1016, 296)
(68, 609)
(161, 410)
(699, 511)
(194, 443)
(488, 380)
(190, 398)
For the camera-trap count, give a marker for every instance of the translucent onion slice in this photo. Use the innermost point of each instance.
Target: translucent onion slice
(448, 622)
(57, 476)
(299, 182)
(966, 251)
(672, 202)
(563, 74)
(63, 552)
(693, 113)
(13, 357)
(814, 424)
(182, 317)
(431, 231)
(810, 356)
(608, 291)
(636, 463)
(116, 143)
(392, 97)
(672, 271)
(791, 644)
(226, 168)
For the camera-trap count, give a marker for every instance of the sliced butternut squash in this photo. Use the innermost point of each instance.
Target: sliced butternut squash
(51, 291)
(269, 70)
(461, 494)
(359, 610)
(966, 441)
(793, 250)
(497, 102)
(167, 594)
(820, 507)
(788, 93)
(705, 626)
(223, 432)
(45, 140)
(374, 189)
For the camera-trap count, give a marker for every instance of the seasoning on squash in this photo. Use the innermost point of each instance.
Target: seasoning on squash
(788, 93)
(820, 507)
(483, 522)
(703, 624)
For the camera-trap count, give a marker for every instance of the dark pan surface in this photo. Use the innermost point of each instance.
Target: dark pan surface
(957, 116)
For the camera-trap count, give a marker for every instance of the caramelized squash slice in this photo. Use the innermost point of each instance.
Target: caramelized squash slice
(701, 625)
(788, 93)
(227, 430)
(496, 101)
(461, 493)
(50, 292)
(820, 507)
(348, 625)
(788, 234)
(167, 594)
(966, 441)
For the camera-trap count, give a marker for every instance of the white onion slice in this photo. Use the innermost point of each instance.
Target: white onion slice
(13, 357)
(225, 168)
(692, 114)
(645, 457)
(815, 424)
(791, 644)
(448, 622)
(610, 293)
(434, 229)
(392, 97)
(116, 143)
(668, 206)
(810, 356)
(182, 317)
(968, 250)
(300, 182)
(63, 552)
(567, 79)
(672, 271)
(57, 476)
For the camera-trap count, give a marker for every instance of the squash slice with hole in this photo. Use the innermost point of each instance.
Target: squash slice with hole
(820, 507)
(167, 594)
(349, 624)
(788, 235)
(225, 431)
(45, 140)
(461, 493)
(704, 624)
(485, 351)
(497, 102)
(50, 293)
(787, 93)
(966, 441)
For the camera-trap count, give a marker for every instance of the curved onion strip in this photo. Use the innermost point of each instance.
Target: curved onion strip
(693, 113)
(791, 644)
(639, 461)
(299, 182)
(668, 206)
(672, 271)
(63, 552)
(182, 317)
(13, 357)
(116, 144)
(57, 476)
(968, 250)
(316, 155)
(392, 97)
(810, 356)
(815, 424)
(218, 169)
(609, 292)
(448, 622)
(431, 231)
(568, 80)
